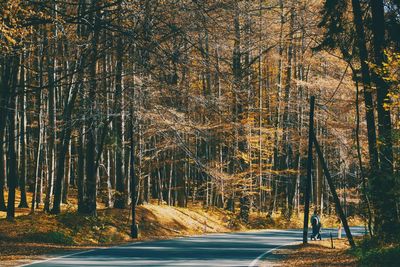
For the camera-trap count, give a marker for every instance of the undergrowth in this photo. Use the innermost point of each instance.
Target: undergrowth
(372, 252)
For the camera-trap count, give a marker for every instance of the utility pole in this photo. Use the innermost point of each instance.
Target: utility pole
(309, 169)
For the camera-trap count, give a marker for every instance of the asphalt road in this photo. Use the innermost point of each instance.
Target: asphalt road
(236, 249)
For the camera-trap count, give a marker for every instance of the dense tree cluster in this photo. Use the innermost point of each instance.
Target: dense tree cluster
(364, 32)
(194, 101)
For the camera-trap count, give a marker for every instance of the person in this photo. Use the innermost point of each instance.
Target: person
(316, 226)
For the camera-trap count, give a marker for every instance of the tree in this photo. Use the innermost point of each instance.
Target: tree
(10, 85)
(387, 217)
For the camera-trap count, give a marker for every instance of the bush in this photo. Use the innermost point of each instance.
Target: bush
(372, 252)
(386, 256)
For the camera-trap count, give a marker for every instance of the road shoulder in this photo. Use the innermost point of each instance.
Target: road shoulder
(315, 253)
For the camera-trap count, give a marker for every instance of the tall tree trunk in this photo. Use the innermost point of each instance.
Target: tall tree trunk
(132, 176)
(361, 167)
(82, 31)
(277, 113)
(3, 118)
(81, 172)
(286, 158)
(90, 145)
(119, 159)
(65, 137)
(384, 197)
(22, 137)
(309, 169)
(11, 83)
(37, 192)
(2, 166)
(52, 123)
(384, 121)
(68, 171)
(369, 106)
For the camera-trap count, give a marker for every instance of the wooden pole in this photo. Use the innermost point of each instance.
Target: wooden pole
(339, 209)
(309, 169)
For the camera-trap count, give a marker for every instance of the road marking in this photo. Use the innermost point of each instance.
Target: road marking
(56, 258)
(254, 262)
(76, 253)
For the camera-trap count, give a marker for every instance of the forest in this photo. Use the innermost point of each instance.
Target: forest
(128, 102)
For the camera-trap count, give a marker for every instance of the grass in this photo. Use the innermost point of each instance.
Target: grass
(51, 237)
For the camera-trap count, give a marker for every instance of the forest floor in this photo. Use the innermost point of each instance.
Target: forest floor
(37, 236)
(315, 253)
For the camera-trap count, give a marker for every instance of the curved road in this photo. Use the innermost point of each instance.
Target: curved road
(235, 249)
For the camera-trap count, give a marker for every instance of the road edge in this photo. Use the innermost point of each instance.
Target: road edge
(256, 260)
